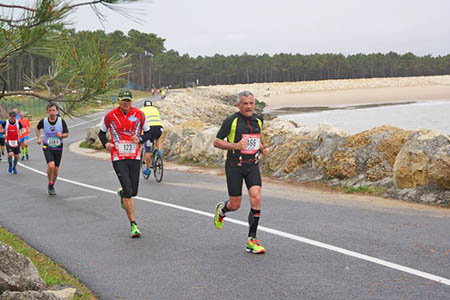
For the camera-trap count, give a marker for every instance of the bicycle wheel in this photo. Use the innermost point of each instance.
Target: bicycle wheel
(143, 165)
(158, 169)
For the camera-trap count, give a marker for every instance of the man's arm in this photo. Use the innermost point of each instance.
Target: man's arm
(65, 132)
(102, 137)
(39, 126)
(224, 145)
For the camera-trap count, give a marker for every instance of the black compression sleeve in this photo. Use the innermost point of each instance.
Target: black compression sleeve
(102, 137)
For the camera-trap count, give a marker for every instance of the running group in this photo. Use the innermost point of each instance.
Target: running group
(129, 128)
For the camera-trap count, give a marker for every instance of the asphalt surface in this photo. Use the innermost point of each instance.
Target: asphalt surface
(182, 256)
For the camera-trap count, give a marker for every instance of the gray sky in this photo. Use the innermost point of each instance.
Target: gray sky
(207, 27)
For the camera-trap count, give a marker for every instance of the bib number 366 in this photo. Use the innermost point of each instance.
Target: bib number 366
(253, 143)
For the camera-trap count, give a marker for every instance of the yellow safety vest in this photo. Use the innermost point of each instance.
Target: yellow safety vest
(152, 115)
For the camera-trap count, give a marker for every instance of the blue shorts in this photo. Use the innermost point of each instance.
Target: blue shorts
(25, 138)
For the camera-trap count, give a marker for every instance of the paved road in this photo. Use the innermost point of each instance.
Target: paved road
(182, 256)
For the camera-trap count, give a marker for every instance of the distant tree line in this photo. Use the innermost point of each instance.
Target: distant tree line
(151, 65)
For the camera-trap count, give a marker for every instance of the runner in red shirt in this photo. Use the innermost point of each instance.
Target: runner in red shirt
(24, 136)
(12, 130)
(128, 129)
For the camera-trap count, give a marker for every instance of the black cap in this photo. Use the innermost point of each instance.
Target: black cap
(125, 95)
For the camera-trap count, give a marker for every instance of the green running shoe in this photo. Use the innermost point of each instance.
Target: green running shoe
(119, 193)
(218, 219)
(254, 246)
(135, 232)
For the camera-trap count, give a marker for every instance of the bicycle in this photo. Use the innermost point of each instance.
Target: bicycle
(156, 163)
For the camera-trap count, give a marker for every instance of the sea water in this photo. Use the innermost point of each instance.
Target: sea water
(353, 119)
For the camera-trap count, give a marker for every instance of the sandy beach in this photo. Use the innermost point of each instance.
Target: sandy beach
(343, 91)
(359, 96)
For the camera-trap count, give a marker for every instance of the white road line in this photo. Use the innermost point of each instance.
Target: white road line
(272, 231)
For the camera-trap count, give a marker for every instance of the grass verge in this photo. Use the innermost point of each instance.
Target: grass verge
(51, 272)
(363, 189)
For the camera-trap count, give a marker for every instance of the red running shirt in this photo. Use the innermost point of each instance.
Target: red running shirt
(122, 128)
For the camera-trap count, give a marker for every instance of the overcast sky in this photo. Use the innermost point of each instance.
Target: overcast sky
(207, 27)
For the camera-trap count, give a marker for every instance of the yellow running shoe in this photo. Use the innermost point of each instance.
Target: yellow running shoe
(254, 246)
(218, 219)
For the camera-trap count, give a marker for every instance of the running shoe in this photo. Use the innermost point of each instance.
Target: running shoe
(14, 170)
(10, 169)
(218, 219)
(51, 190)
(119, 193)
(135, 232)
(254, 246)
(146, 173)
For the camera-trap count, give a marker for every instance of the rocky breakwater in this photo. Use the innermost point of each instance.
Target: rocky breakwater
(261, 90)
(409, 165)
(19, 279)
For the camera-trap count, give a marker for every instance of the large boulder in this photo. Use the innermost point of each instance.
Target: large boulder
(92, 137)
(440, 168)
(202, 149)
(322, 157)
(17, 272)
(415, 160)
(370, 154)
(29, 295)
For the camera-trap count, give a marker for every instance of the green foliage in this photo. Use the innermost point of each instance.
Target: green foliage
(80, 70)
(365, 190)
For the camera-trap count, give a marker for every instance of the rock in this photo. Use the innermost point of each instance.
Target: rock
(195, 125)
(275, 128)
(380, 165)
(300, 156)
(413, 163)
(202, 149)
(92, 137)
(325, 129)
(342, 166)
(66, 292)
(17, 272)
(29, 295)
(322, 156)
(440, 168)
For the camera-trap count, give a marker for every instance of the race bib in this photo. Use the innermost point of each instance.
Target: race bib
(127, 148)
(53, 142)
(13, 143)
(253, 143)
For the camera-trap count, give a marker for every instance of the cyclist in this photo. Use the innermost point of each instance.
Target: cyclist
(126, 124)
(24, 136)
(12, 130)
(55, 130)
(243, 133)
(156, 128)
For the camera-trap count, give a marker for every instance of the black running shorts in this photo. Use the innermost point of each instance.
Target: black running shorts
(236, 174)
(15, 150)
(128, 171)
(53, 155)
(2, 141)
